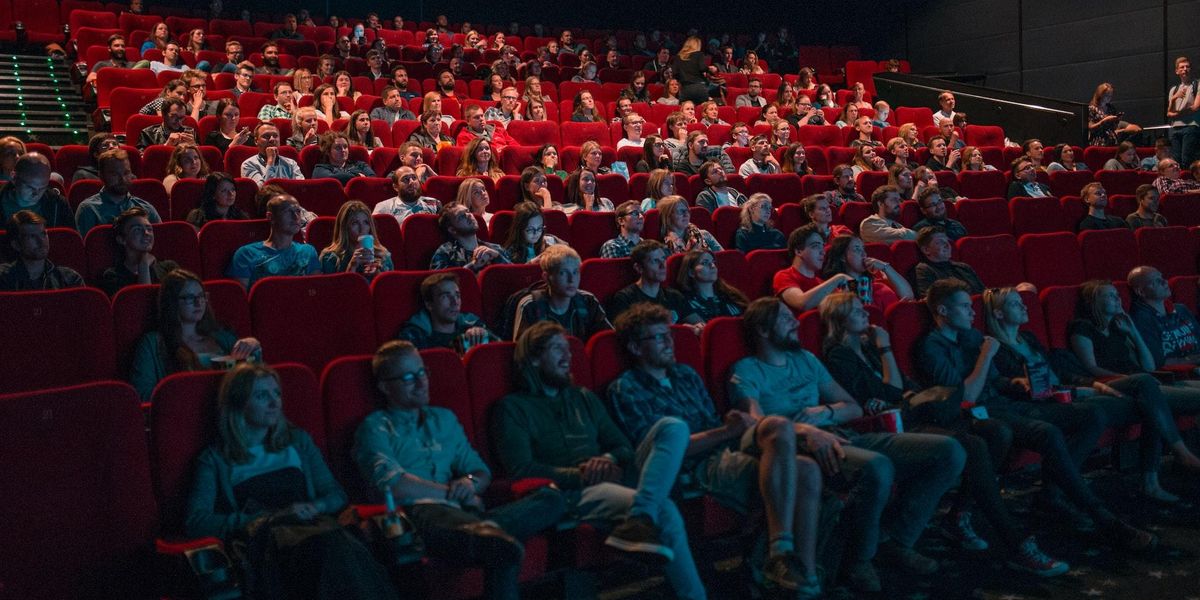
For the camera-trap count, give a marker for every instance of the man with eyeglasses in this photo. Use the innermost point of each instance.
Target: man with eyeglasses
(197, 101)
(234, 56)
(420, 456)
(551, 427)
(30, 190)
(933, 208)
(1024, 181)
(285, 103)
(32, 269)
(243, 80)
(561, 300)
(506, 112)
(630, 221)
(114, 198)
(408, 200)
(649, 259)
(393, 108)
(1169, 180)
(752, 97)
(477, 127)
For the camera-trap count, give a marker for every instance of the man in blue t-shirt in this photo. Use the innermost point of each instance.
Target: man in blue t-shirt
(1169, 329)
(279, 254)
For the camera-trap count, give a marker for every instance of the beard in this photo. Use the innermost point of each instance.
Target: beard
(118, 55)
(271, 62)
(788, 343)
(448, 87)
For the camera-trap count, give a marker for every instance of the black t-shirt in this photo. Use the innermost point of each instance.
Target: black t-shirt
(1114, 350)
(666, 298)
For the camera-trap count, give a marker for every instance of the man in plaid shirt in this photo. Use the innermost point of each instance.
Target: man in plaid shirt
(630, 219)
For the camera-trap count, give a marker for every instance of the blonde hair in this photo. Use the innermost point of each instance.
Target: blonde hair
(834, 310)
(173, 167)
(342, 244)
(465, 189)
(993, 300)
(666, 208)
(751, 205)
(690, 46)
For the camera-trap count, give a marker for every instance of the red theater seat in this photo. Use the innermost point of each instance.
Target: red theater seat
(996, 258)
(982, 184)
(1037, 215)
(603, 277)
(1051, 259)
(312, 319)
(985, 216)
(55, 349)
(907, 321)
(220, 239)
(1171, 250)
(1108, 254)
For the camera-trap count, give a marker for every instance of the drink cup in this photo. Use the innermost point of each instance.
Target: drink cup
(891, 422)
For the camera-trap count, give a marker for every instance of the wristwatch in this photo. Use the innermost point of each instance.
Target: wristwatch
(474, 482)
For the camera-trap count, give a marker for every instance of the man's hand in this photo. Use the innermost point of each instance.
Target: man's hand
(599, 469)
(825, 447)
(460, 490)
(271, 153)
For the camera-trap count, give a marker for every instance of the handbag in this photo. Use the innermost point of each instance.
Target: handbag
(940, 406)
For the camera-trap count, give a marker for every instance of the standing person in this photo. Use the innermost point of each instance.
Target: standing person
(1183, 110)
(689, 68)
(420, 455)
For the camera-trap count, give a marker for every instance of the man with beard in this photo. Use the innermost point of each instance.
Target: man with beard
(393, 108)
(400, 81)
(270, 59)
(464, 248)
(555, 429)
(171, 131)
(933, 208)
(32, 269)
(114, 198)
(445, 84)
(408, 200)
(843, 187)
(116, 57)
(288, 31)
(884, 225)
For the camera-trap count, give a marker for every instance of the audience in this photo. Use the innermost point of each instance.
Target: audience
(799, 285)
(218, 200)
(133, 239)
(875, 281)
(581, 194)
(1126, 158)
(527, 237)
(1170, 181)
(560, 299)
(678, 232)
(936, 249)
(1066, 160)
(186, 162)
(706, 294)
(268, 163)
(819, 211)
(1024, 181)
(114, 198)
(649, 260)
(933, 208)
(30, 190)
(335, 159)
(884, 223)
(441, 322)
(355, 246)
(1147, 214)
(408, 200)
(1096, 200)
(463, 247)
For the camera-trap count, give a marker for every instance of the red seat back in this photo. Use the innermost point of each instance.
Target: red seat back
(907, 321)
(1051, 259)
(603, 277)
(219, 240)
(996, 258)
(1108, 254)
(1037, 215)
(986, 216)
(396, 297)
(312, 319)
(982, 184)
(54, 349)
(1171, 250)
(498, 282)
(421, 236)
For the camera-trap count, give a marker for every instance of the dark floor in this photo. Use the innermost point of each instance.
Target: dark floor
(1172, 572)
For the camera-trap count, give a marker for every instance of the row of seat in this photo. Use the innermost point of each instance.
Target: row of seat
(358, 315)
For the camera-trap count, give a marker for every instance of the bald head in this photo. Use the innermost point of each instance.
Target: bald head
(1147, 283)
(32, 164)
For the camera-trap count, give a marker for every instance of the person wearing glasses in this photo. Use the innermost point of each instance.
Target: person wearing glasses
(188, 337)
(527, 237)
(1169, 180)
(632, 123)
(243, 80)
(1024, 181)
(30, 190)
(507, 111)
(630, 220)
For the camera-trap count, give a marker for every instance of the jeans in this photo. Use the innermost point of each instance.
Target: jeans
(438, 523)
(1185, 145)
(922, 466)
(658, 459)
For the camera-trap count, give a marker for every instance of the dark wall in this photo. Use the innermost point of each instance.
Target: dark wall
(1061, 49)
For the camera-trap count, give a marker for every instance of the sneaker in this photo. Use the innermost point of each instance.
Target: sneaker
(959, 530)
(863, 578)
(638, 534)
(907, 558)
(783, 570)
(1058, 507)
(1031, 559)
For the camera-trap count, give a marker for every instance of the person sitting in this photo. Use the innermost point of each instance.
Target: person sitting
(866, 158)
(31, 270)
(678, 231)
(1133, 400)
(817, 207)
(972, 160)
(188, 336)
(97, 145)
(288, 31)
(268, 163)
(860, 359)
(361, 132)
(630, 220)
(114, 198)
(507, 110)
(941, 157)
(1147, 214)
(430, 134)
(936, 249)
(463, 247)
(900, 151)
(883, 225)
(632, 124)
(172, 60)
(116, 58)
(264, 479)
(585, 109)
(1169, 329)
(478, 159)
(1126, 158)
(186, 162)
(753, 96)
(755, 230)
(285, 103)
(440, 490)
(1162, 149)
(729, 461)
(762, 161)
(305, 128)
(393, 108)
(243, 80)
(1024, 181)
(218, 200)
(799, 285)
(649, 260)
(783, 379)
(561, 300)
(704, 292)
(656, 154)
(326, 105)
(954, 354)
(1169, 180)
(933, 209)
(355, 246)
(227, 133)
(844, 188)
(408, 199)
(477, 128)
(441, 322)
(527, 237)
(875, 281)
(1066, 160)
(336, 163)
(133, 239)
(716, 192)
(580, 194)
(696, 152)
(171, 131)
(1096, 200)
(473, 194)
(30, 189)
(279, 254)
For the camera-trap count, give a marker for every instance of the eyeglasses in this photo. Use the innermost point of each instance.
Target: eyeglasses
(633, 213)
(198, 86)
(533, 230)
(510, 98)
(407, 378)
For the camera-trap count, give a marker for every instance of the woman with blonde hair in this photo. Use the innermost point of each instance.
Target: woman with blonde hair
(591, 157)
(709, 114)
(432, 102)
(302, 84)
(478, 159)
(351, 250)
(755, 231)
(186, 162)
(473, 194)
(972, 160)
(265, 482)
(678, 231)
(689, 67)
(1105, 127)
(908, 132)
